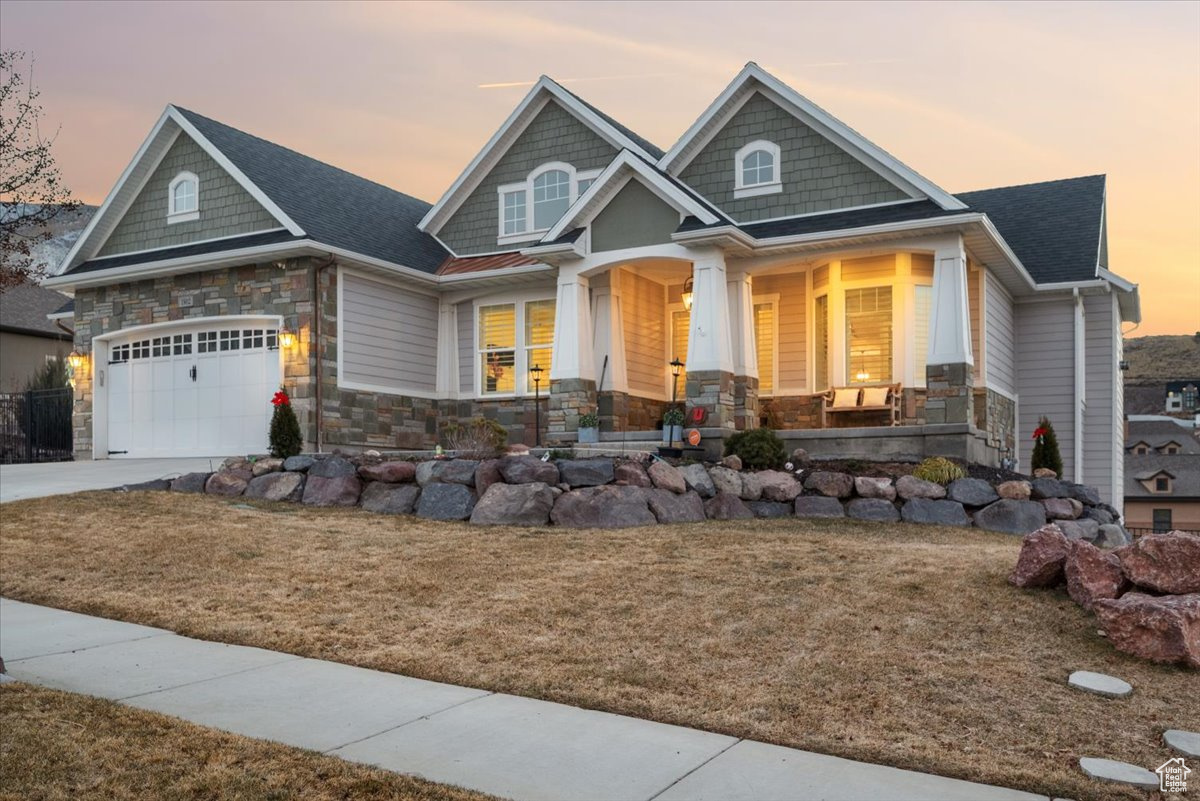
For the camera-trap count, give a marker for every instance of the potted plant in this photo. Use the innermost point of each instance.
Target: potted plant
(672, 426)
(589, 428)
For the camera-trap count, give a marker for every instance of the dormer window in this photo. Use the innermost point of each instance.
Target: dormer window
(183, 198)
(1162, 484)
(757, 170)
(1141, 450)
(532, 207)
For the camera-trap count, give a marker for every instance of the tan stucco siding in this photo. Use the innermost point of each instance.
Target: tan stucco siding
(793, 331)
(974, 281)
(635, 217)
(816, 174)
(226, 209)
(22, 355)
(553, 135)
(1139, 513)
(643, 318)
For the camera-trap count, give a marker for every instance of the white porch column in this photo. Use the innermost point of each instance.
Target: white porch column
(950, 322)
(447, 350)
(608, 339)
(572, 352)
(709, 347)
(740, 290)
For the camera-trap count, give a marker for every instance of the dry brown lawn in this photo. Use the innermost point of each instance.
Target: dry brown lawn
(56, 746)
(894, 644)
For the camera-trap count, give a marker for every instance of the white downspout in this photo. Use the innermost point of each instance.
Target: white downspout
(1080, 399)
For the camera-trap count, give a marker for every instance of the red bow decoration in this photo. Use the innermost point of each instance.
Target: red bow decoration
(1039, 432)
(280, 399)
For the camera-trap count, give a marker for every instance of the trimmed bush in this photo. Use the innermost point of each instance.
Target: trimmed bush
(759, 449)
(1045, 449)
(939, 470)
(480, 438)
(285, 428)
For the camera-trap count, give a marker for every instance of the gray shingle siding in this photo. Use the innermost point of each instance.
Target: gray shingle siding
(226, 209)
(817, 174)
(553, 135)
(634, 218)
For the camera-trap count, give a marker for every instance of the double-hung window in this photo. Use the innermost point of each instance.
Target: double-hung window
(513, 337)
(869, 335)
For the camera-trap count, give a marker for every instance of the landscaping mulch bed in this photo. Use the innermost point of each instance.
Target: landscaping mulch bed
(57, 746)
(897, 644)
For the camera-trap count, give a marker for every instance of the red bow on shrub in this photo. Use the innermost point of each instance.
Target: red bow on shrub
(280, 399)
(1039, 432)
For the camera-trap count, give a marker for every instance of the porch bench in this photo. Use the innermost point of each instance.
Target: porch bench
(865, 399)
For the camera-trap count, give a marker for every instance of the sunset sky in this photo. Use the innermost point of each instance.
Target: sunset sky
(972, 95)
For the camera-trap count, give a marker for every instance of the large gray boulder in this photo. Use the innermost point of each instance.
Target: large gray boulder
(726, 480)
(1101, 516)
(153, 485)
(441, 501)
(427, 471)
(586, 472)
(528, 470)
(935, 513)
(696, 477)
(609, 506)
(276, 487)
(779, 486)
(1084, 529)
(1062, 508)
(1111, 535)
(1042, 488)
(909, 487)
(228, 483)
(752, 488)
(458, 471)
(190, 482)
(726, 506)
(333, 467)
(666, 476)
(971, 492)
(818, 506)
(514, 505)
(672, 507)
(770, 509)
(872, 509)
(331, 491)
(831, 485)
(1086, 495)
(1011, 517)
(298, 464)
(390, 499)
(389, 472)
(632, 473)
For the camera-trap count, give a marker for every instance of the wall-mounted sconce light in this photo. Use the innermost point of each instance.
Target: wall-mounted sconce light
(76, 359)
(687, 294)
(287, 338)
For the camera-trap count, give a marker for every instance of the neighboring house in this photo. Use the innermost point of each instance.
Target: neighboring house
(28, 337)
(1183, 396)
(1162, 475)
(773, 250)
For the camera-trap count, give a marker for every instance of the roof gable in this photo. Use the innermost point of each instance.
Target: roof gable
(618, 136)
(752, 79)
(1054, 227)
(24, 309)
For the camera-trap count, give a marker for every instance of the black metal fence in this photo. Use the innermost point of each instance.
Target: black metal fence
(35, 426)
(1141, 532)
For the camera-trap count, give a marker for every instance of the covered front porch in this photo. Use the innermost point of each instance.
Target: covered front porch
(780, 342)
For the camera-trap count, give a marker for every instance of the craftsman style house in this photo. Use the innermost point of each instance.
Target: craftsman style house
(804, 278)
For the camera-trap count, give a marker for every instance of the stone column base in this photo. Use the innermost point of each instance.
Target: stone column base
(950, 396)
(745, 403)
(569, 399)
(714, 390)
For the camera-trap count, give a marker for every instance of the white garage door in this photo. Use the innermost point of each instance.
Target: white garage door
(203, 391)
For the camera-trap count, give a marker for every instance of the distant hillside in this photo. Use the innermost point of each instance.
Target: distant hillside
(64, 229)
(1154, 360)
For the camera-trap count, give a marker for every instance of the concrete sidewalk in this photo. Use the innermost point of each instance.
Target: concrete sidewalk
(501, 744)
(19, 481)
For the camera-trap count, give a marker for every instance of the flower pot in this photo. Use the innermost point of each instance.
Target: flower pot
(589, 435)
(672, 434)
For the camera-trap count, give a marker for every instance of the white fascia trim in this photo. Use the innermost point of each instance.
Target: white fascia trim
(825, 123)
(606, 186)
(1120, 283)
(569, 249)
(219, 157)
(69, 261)
(808, 214)
(542, 91)
(187, 322)
(61, 316)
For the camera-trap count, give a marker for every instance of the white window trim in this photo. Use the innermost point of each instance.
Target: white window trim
(530, 233)
(174, 216)
(742, 189)
(523, 386)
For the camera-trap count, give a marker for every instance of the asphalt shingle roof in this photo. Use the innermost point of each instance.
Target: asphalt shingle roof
(1183, 467)
(838, 220)
(651, 148)
(179, 251)
(23, 310)
(333, 207)
(1157, 433)
(1053, 226)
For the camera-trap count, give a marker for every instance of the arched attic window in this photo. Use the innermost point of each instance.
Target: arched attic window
(531, 207)
(183, 198)
(756, 169)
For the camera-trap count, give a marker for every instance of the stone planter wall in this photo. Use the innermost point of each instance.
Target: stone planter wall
(609, 493)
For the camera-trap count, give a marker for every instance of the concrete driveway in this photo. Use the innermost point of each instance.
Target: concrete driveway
(19, 481)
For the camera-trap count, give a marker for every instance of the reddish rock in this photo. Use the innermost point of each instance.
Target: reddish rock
(733, 462)
(1062, 508)
(666, 476)
(1159, 628)
(911, 487)
(1092, 574)
(727, 506)
(389, 472)
(1014, 490)
(326, 491)
(1167, 563)
(779, 486)
(671, 507)
(831, 485)
(1040, 564)
(228, 482)
(264, 466)
(487, 474)
(528, 470)
(632, 474)
(607, 506)
(1044, 472)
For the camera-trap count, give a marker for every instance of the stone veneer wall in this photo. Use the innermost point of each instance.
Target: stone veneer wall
(620, 411)
(803, 412)
(250, 289)
(714, 390)
(996, 416)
